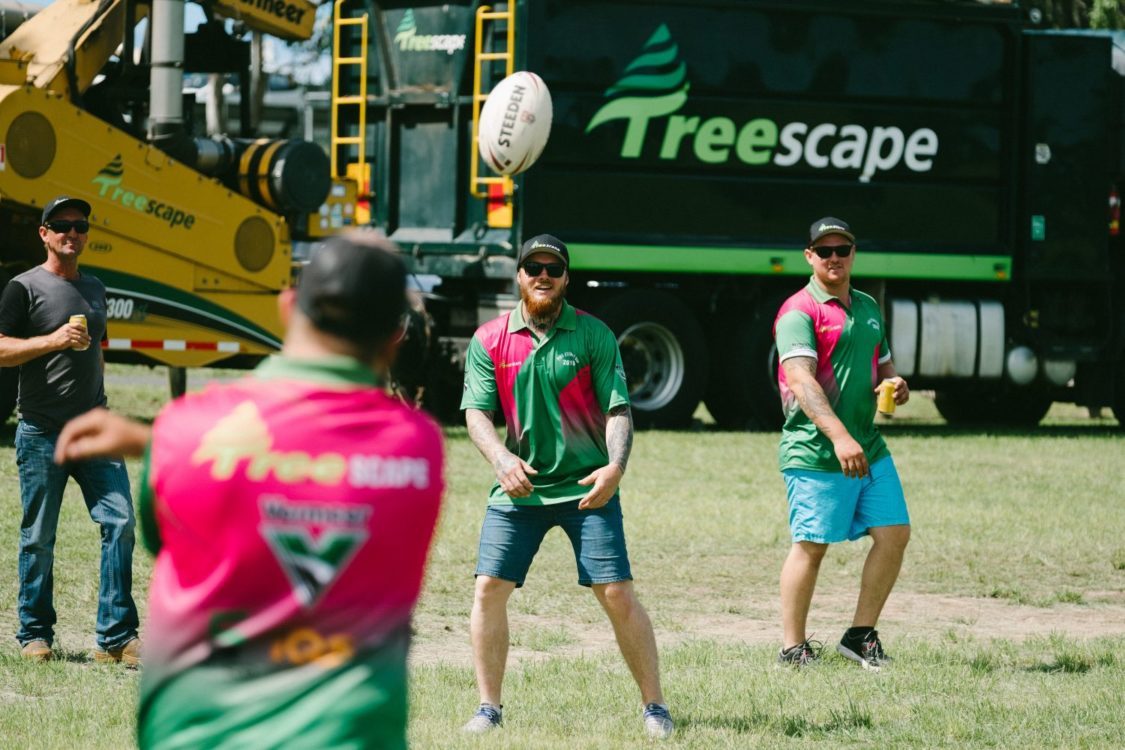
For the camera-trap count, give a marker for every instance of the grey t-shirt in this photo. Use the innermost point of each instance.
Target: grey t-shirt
(60, 385)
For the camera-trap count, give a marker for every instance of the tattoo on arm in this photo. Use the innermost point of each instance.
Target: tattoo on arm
(619, 436)
(809, 394)
(484, 437)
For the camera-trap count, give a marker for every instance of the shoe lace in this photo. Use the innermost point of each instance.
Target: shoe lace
(807, 651)
(872, 647)
(489, 712)
(656, 711)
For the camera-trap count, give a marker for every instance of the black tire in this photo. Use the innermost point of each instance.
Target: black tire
(1000, 406)
(742, 392)
(9, 390)
(664, 353)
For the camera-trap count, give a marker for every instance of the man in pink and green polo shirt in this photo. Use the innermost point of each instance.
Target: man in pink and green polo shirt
(290, 513)
(555, 374)
(842, 483)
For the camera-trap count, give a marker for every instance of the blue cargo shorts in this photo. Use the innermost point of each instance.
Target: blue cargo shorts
(511, 535)
(827, 507)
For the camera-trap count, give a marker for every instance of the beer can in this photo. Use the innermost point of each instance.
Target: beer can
(886, 400)
(79, 320)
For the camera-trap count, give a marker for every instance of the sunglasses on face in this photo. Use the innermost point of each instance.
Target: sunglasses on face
(826, 251)
(63, 226)
(554, 270)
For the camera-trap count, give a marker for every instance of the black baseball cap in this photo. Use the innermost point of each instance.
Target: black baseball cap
(544, 243)
(829, 225)
(65, 201)
(355, 288)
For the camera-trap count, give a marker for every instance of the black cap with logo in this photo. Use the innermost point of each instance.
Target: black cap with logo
(64, 201)
(544, 243)
(829, 225)
(355, 288)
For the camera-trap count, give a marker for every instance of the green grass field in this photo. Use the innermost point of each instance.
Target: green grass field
(1008, 623)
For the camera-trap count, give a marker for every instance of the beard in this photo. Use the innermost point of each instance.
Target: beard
(539, 308)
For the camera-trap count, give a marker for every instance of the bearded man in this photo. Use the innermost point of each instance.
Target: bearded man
(556, 374)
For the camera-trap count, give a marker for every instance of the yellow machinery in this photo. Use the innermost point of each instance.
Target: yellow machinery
(192, 237)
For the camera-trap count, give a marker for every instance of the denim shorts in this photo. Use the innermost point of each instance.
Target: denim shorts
(511, 535)
(828, 507)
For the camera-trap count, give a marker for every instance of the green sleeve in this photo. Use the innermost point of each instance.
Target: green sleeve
(480, 379)
(150, 532)
(607, 372)
(885, 354)
(795, 335)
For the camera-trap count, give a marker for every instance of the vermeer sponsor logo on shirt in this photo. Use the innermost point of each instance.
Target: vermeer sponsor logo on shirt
(826, 329)
(313, 542)
(243, 437)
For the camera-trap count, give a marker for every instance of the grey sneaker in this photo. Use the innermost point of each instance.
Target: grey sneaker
(487, 718)
(658, 722)
(804, 654)
(866, 650)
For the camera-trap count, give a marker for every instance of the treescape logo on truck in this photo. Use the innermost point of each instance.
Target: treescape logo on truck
(655, 86)
(109, 185)
(409, 40)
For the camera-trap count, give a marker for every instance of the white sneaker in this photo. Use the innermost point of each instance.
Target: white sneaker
(487, 718)
(658, 722)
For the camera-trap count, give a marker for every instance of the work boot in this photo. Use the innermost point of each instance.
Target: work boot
(37, 650)
(128, 654)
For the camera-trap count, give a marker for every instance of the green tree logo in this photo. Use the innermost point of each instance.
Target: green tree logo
(654, 85)
(406, 28)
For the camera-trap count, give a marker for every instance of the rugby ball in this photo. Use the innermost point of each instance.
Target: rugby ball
(515, 123)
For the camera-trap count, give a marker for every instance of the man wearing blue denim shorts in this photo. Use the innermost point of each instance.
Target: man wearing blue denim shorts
(842, 483)
(61, 376)
(556, 374)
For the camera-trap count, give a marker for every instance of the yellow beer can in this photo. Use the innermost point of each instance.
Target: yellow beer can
(886, 400)
(79, 320)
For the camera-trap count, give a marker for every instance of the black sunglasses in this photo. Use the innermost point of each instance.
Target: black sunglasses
(63, 226)
(826, 251)
(554, 270)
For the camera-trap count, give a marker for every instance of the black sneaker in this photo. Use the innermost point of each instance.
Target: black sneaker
(487, 718)
(865, 650)
(804, 654)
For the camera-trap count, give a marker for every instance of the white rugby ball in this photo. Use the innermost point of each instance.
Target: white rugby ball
(515, 123)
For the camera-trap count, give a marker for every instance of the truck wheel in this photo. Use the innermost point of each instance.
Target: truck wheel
(9, 389)
(742, 391)
(1002, 406)
(665, 357)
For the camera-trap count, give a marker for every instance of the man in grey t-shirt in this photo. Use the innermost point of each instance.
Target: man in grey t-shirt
(61, 376)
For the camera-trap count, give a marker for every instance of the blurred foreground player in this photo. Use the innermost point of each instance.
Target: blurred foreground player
(291, 513)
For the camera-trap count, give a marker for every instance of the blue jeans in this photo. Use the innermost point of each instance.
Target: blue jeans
(105, 488)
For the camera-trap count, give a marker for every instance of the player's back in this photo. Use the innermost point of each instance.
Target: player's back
(294, 515)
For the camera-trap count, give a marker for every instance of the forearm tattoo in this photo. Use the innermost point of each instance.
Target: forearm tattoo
(809, 393)
(619, 436)
(484, 437)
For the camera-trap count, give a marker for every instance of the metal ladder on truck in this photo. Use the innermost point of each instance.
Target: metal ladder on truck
(497, 190)
(353, 171)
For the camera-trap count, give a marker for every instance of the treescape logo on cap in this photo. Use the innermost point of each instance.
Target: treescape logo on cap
(831, 228)
(654, 87)
(537, 244)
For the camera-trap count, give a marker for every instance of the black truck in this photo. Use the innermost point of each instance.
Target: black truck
(977, 157)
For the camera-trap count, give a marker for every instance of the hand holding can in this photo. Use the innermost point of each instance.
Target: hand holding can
(886, 401)
(79, 320)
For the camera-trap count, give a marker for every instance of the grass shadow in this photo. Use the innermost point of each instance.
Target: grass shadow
(742, 724)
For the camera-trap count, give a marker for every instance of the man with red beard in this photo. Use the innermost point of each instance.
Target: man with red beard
(556, 373)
